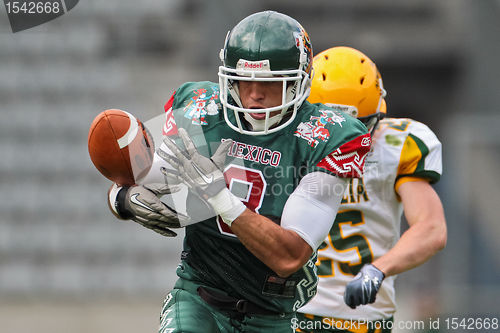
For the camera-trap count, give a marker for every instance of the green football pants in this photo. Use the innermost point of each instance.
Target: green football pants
(184, 311)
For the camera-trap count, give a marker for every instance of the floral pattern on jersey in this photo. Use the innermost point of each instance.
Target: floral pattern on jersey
(201, 105)
(315, 129)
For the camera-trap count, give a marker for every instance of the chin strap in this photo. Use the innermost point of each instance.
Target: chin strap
(234, 92)
(260, 124)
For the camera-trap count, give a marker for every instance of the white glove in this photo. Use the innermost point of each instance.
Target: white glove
(142, 204)
(204, 175)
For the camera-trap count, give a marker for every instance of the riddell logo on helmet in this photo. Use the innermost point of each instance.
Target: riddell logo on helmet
(262, 65)
(252, 65)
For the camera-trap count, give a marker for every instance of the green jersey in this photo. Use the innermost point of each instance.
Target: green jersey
(262, 171)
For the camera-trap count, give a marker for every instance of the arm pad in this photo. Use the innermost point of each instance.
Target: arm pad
(311, 209)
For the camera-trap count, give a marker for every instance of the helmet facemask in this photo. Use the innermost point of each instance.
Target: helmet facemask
(295, 89)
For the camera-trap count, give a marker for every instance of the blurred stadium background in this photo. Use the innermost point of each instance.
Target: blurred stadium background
(66, 265)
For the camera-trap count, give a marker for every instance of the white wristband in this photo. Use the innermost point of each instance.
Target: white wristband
(112, 194)
(227, 206)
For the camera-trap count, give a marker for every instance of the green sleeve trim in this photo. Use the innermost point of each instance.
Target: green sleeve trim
(432, 176)
(424, 150)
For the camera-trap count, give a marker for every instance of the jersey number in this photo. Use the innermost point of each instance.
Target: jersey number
(341, 243)
(401, 126)
(247, 184)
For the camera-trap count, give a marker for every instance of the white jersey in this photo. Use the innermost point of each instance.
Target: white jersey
(368, 221)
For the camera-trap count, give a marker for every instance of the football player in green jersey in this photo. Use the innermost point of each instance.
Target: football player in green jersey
(358, 261)
(268, 170)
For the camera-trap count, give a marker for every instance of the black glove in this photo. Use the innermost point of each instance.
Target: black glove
(364, 287)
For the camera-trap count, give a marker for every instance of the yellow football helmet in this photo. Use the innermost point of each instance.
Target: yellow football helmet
(346, 76)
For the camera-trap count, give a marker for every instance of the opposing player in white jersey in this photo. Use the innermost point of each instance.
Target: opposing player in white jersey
(358, 262)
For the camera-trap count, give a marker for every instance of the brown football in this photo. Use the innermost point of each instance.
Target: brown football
(120, 147)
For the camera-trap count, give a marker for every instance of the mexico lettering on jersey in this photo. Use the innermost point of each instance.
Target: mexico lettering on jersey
(368, 222)
(262, 171)
(253, 153)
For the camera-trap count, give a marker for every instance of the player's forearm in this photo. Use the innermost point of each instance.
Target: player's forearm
(417, 245)
(426, 235)
(281, 250)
